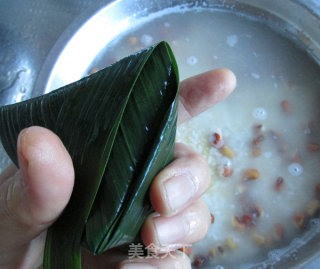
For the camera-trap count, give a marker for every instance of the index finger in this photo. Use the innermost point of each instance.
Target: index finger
(201, 92)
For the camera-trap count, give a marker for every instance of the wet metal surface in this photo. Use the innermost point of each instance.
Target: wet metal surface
(28, 30)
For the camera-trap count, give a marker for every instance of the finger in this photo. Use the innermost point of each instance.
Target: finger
(47, 171)
(35, 196)
(8, 172)
(176, 260)
(171, 233)
(202, 91)
(180, 183)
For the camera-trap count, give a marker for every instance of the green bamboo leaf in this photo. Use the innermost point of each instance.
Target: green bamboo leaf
(119, 127)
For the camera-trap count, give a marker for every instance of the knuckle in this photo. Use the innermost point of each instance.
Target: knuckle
(198, 217)
(12, 212)
(199, 160)
(201, 169)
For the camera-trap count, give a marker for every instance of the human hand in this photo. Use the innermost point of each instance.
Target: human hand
(32, 198)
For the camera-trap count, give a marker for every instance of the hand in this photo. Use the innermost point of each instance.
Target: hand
(32, 198)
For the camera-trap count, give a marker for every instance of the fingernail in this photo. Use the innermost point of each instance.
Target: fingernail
(135, 265)
(171, 230)
(179, 190)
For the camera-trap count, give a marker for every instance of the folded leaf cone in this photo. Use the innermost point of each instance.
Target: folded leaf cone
(119, 127)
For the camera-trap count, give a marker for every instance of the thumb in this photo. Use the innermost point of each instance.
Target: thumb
(32, 199)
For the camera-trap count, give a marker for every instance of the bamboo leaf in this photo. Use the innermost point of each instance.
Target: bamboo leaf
(119, 127)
